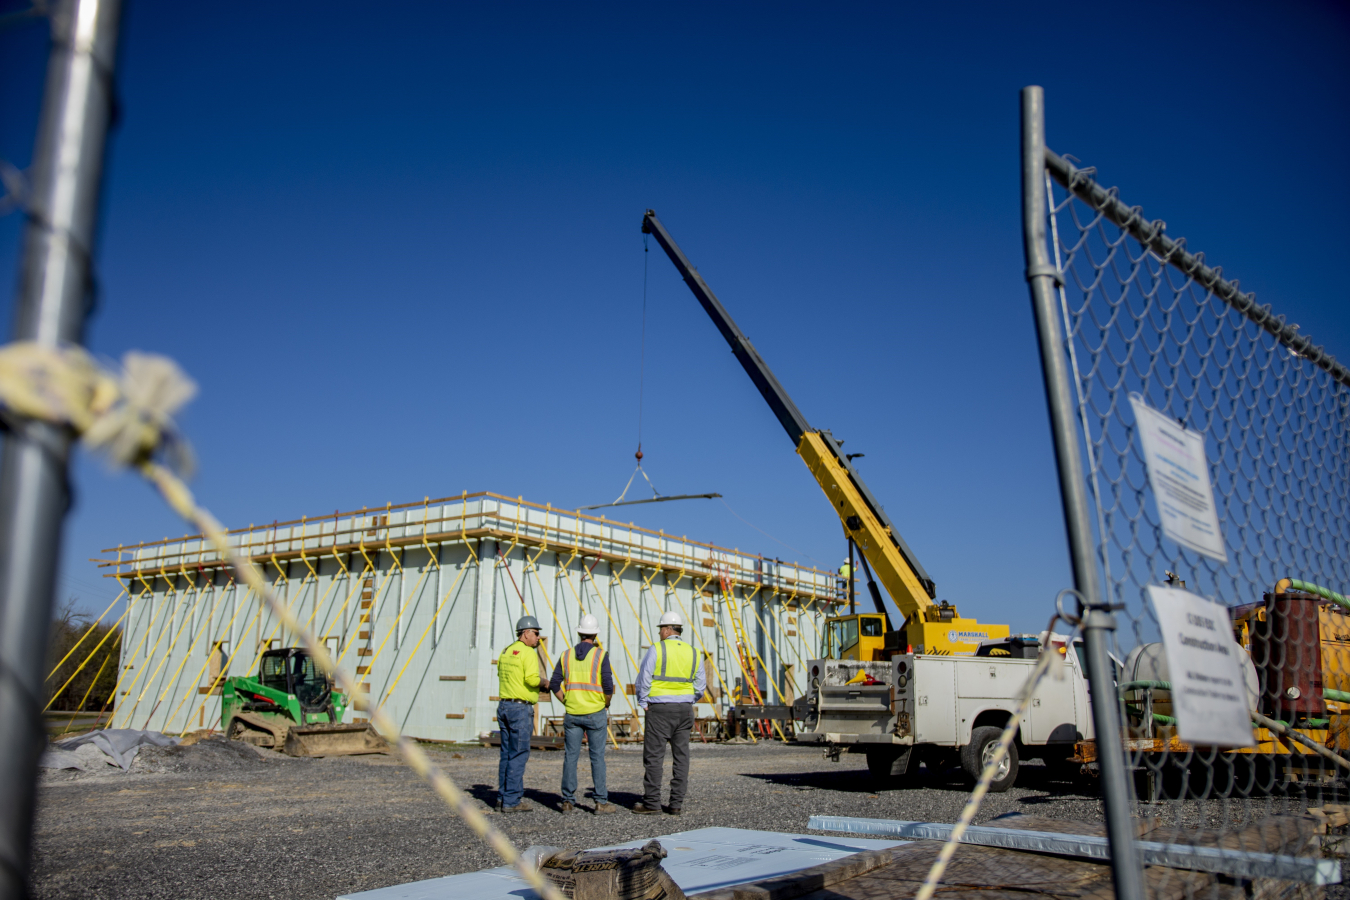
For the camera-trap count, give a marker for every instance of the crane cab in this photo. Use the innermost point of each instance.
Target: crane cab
(859, 637)
(863, 636)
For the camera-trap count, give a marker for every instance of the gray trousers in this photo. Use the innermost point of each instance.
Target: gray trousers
(667, 723)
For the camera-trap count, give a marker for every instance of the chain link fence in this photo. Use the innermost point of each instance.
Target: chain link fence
(1143, 340)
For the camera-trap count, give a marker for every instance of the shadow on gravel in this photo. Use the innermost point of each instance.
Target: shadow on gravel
(487, 793)
(851, 781)
(858, 781)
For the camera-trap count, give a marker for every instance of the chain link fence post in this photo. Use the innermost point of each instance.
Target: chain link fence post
(1203, 446)
(52, 305)
(1098, 621)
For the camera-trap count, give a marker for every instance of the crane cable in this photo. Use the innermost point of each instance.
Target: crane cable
(642, 348)
(657, 496)
(642, 371)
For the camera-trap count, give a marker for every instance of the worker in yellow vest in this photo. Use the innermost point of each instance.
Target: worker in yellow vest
(670, 680)
(582, 680)
(517, 693)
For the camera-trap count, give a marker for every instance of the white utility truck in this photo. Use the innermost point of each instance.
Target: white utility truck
(941, 710)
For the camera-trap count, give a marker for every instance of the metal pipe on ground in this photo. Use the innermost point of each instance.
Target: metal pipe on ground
(1222, 860)
(51, 307)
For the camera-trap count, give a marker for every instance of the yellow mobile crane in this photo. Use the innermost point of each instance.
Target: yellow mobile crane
(940, 687)
(929, 627)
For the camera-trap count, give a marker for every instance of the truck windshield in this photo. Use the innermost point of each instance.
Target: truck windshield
(839, 637)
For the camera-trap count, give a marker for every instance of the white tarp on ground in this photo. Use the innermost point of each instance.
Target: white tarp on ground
(701, 860)
(110, 747)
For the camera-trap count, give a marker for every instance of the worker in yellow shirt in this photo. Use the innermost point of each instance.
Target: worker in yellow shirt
(518, 691)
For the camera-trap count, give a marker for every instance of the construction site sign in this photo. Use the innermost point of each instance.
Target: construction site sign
(1209, 689)
(1179, 475)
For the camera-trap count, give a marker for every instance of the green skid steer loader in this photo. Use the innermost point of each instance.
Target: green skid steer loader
(293, 707)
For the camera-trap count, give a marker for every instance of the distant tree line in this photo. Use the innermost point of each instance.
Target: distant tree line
(68, 628)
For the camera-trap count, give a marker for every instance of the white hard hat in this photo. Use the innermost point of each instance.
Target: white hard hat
(589, 625)
(672, 618)
(846, 560)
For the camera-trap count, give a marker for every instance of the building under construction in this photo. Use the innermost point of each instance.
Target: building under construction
(418, 599)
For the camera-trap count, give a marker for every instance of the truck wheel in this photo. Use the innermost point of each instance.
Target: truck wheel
(976, 754)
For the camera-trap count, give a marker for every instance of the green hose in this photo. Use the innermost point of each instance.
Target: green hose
(1137, 685)
(1324, 593)
(1337, 696)
(1157, 717)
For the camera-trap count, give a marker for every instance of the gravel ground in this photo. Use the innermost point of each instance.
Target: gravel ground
(222, 820)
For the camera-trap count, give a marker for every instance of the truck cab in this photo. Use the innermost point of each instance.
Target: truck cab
(860, 637)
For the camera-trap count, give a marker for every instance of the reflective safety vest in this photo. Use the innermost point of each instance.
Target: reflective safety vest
(583, 692)
(674, 675)
(518, 673)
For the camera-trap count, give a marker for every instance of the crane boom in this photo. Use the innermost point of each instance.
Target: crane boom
(862, 516)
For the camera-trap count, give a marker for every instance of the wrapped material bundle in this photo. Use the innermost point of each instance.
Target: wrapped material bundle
(612, 874)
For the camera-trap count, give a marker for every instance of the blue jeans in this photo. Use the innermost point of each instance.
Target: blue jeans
(516, 721)
(595, 726)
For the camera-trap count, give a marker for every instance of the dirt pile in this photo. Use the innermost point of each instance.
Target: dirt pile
(209, 756)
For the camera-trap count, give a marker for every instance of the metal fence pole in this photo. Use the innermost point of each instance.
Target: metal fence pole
(51, 307)
(1098, 621)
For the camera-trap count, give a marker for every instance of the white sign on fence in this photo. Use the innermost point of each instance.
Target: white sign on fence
(1209, 689)
(1179, 476)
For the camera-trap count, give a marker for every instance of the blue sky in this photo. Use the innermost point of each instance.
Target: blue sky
(400, 250)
